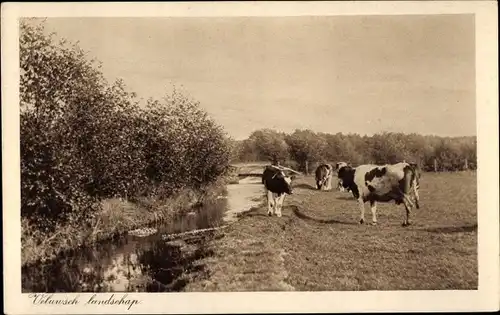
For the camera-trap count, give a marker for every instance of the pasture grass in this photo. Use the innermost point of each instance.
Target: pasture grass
(319, 245)
(115, 217)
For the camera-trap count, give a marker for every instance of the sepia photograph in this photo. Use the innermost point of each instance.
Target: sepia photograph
(247, 153)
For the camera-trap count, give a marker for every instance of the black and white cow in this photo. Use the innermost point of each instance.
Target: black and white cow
(277, 185)
(383, 183)
(338, 166)
(324, 174)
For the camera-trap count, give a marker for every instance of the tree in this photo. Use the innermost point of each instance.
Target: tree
(60, 97)
(449, 155)
(305, 147)
(269, 145)
(469, 152)
(388, 147)
(83, 140)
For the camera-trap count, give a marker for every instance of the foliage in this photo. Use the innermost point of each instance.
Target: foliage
(84, 140)
(305, 146)
(269, 145)
(449, 153)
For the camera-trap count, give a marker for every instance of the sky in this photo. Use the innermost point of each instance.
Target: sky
(349, 74)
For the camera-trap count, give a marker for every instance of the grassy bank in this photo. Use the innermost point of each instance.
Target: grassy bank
(318, 245)
(114, 217)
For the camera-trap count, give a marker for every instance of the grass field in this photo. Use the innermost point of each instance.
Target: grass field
(319, 245)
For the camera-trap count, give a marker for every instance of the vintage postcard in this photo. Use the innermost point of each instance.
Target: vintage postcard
(250, 157)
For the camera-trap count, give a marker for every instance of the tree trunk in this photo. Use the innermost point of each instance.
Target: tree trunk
(435, 165)
(466, 164)
(307, 167)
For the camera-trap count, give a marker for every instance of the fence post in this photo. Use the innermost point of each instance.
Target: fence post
(466, 164)
(307, 167)
(435, 165)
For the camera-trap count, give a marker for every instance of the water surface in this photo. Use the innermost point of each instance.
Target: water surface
(145, 264)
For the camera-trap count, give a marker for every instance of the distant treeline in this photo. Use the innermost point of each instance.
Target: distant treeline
(306, 148)
(84, 140)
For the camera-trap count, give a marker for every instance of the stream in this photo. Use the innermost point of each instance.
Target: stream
(160, 262)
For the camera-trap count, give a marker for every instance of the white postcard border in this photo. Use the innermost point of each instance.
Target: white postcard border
(485, 298)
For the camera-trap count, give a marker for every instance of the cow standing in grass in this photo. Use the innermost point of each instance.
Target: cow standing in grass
(375, 183)
(338, 166)
(324, 174)
(277, 186)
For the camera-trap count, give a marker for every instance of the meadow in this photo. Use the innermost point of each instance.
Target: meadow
(319, 245)
(98, 161)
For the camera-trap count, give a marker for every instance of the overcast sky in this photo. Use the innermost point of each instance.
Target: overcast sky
(351, 74)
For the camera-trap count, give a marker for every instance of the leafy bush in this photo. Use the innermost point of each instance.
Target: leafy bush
(56, 82)
(84, 140)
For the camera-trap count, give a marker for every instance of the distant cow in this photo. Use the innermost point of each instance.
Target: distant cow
(277, 185)
(338, 166)
(324, 174)
(398, 182)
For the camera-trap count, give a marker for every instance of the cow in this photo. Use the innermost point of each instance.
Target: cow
(383, 183)
(277, 186)
(324, 174)
(339, 183)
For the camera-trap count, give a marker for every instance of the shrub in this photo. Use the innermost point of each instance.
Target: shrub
(84, 140)
(56, 83)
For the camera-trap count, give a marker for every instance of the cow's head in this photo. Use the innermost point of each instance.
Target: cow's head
(339, 165)
(346, 176)
(285, 182)
(277, 181)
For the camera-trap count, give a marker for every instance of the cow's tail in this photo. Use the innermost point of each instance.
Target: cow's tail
(408, 187)
(411, 186)
(416, 187)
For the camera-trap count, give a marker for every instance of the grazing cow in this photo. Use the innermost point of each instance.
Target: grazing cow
(377, 183)
(324, 174)
(277, 185)
(338, 166)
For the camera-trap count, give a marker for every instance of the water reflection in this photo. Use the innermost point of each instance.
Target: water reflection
(143, 264)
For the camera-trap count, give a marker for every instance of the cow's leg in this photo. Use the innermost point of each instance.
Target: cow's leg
(270, 205)
(276, 199)
(361, 204)
(329, 183)
(373, 207)
(408, 206)
(279, 204)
